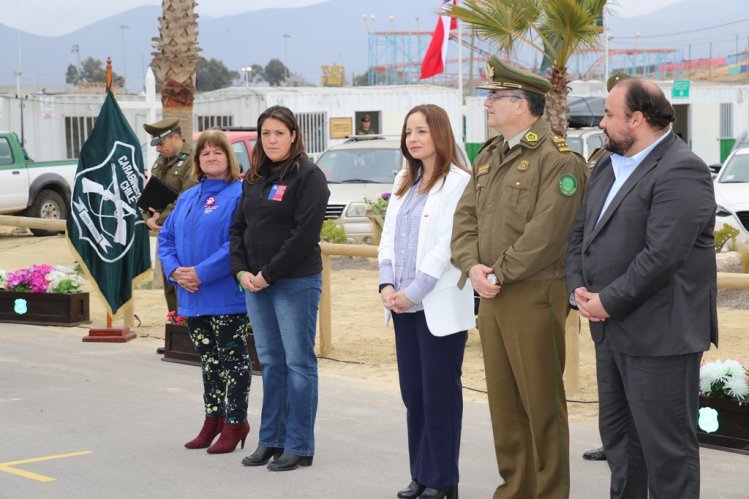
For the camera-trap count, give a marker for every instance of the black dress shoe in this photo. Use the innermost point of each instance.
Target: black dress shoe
(412, 491)
(261, 456)
(288, 462)
(448, 493)
(160, 350)
(595, 454)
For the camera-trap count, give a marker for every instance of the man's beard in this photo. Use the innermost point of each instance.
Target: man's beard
(620, 146)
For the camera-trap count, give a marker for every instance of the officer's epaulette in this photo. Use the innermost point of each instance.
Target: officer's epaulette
(560, 144)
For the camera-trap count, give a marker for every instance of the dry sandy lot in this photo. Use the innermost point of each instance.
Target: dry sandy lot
(362, 346)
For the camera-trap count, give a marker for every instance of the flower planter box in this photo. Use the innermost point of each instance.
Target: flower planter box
(178, 347)
(733, 430)
(46, 309)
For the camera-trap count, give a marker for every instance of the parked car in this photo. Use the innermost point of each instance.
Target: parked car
(39, 189)
(242, 141)
(585, 140)
(732, 193)
(362, 167)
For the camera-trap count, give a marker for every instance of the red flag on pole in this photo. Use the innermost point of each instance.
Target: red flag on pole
(436, 54)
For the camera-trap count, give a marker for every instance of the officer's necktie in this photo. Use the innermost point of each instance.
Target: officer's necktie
(505, 149)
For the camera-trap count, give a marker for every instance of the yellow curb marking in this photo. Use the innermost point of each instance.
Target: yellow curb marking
(8, 466)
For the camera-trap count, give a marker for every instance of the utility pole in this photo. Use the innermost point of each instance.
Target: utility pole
(285, 60)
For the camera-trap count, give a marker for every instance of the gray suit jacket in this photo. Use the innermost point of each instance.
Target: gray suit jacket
(651, 257)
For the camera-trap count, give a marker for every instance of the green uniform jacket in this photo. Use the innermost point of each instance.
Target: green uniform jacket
(517, 212)
(176, 172)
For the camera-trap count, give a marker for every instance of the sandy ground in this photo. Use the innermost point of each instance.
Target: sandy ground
(363, 347)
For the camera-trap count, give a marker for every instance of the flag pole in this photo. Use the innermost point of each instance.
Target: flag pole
(460, 63)
(109, 334)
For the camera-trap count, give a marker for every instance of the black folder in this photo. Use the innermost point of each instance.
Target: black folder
(156, 195)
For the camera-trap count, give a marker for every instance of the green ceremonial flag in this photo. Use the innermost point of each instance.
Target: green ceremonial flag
(105, 226)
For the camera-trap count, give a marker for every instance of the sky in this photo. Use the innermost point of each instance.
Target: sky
(55, 17)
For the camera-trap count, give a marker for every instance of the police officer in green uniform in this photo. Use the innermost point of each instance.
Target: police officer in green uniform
(510, 237)
(365, 128)
(174, 168)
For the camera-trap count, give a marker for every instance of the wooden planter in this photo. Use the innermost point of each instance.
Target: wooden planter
(733, 430)
(47, 309)
(178, 347)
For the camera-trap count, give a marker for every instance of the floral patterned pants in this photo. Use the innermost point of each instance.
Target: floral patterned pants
(221, 342)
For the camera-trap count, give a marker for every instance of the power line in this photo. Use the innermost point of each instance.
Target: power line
(687, 32)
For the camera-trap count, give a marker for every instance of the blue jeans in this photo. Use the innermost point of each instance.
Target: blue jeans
(284, 320)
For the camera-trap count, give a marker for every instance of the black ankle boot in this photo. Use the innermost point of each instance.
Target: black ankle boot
(261, 456)
(288, 462)
(448, 493)
(412, 491)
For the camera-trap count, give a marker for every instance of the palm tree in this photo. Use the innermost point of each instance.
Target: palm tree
(175, 61)
(555, 28)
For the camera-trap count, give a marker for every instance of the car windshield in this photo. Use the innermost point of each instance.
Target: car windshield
(736, 170)
(366, 166)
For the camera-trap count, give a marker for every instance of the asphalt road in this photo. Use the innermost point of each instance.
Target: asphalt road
(97, 420)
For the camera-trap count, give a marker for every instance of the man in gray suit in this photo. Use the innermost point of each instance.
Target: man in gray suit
(641, 269)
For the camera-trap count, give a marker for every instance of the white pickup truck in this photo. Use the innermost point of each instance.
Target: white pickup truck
(30, 188)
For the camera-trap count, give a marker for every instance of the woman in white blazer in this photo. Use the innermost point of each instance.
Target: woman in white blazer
(418, 286)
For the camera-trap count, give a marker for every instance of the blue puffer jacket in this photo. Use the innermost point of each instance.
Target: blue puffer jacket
(196, 234)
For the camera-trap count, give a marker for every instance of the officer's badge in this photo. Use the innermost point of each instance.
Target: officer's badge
(568, 184)
(483, 169)
(490, 70)
(523, 165)
(531, 137)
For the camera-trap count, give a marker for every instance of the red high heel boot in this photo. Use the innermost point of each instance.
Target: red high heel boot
(211, 427)
(231, 435)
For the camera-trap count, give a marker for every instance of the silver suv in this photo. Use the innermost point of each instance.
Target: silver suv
(364, 166)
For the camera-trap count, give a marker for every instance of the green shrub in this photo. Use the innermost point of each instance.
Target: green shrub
(724, 235)
(331, 233)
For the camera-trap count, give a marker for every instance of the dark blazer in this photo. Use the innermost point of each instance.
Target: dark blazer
(651, 257)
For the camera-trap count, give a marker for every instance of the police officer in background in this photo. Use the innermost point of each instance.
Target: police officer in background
(510, 237)
(174, 168)
(365, 128)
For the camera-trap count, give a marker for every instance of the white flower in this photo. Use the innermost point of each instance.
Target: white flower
(737, 387)
(724, 378)
(733, 368)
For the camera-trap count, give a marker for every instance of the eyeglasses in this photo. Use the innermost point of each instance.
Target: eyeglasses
(494, 96)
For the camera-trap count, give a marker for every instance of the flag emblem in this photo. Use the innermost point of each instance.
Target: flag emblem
(106, 230)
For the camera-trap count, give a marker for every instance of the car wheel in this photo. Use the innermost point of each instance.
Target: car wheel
(49, 205)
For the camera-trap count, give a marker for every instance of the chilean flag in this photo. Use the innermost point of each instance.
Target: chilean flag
(436, 55)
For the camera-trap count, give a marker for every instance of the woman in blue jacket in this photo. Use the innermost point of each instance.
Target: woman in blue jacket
(194, 251)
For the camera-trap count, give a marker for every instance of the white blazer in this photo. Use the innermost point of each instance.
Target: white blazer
(447, 308)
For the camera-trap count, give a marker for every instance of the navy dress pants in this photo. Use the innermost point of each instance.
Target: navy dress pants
(429, 369)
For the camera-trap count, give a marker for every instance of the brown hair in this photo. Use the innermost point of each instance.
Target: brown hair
(444, 143)
(285, 116)
(215, 138)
